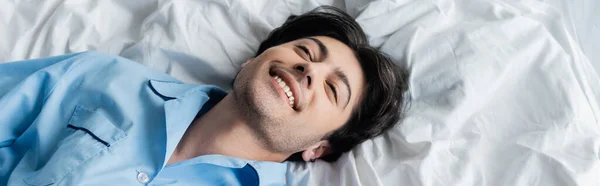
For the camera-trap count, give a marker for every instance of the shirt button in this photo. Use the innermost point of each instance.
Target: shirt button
(143, 177)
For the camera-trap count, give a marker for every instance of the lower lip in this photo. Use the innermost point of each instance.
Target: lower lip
(286, 100)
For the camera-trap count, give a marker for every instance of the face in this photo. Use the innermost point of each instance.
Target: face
(296, 93)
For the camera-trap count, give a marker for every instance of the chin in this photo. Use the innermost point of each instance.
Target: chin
(258, 100)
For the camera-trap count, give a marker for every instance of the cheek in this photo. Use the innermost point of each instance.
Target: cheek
(326, 117)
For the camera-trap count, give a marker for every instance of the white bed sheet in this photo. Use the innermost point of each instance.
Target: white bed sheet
(501, 95)
(582, 20)
(501, 91)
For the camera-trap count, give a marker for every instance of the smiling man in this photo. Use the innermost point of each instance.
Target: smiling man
(315, 90)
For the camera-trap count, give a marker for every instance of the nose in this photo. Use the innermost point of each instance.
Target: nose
(305, 69)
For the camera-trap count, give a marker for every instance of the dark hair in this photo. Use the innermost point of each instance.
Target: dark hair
(381, 106)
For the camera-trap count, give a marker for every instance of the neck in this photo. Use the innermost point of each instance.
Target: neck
(222, 130)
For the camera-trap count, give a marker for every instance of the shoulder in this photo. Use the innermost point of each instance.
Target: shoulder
(95, 60)
(102, 65)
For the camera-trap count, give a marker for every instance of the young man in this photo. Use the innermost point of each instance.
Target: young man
(315, 90)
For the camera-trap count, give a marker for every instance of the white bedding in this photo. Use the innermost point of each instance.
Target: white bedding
(502, 93)
(582, 20)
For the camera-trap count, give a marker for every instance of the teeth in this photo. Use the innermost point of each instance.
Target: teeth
(285, 89)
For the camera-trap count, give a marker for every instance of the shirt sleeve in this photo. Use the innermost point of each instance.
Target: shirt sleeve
(24, 86)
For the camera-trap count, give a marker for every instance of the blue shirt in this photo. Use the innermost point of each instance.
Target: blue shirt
(96, 119)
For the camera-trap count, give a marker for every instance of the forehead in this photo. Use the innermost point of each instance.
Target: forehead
(342, 57)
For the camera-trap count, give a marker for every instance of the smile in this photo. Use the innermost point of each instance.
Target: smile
(286, 89)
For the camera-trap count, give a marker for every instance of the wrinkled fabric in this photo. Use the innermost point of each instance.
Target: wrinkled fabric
(501, 92)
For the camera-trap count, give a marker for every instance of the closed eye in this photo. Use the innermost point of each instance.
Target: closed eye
(306, 51)
(334, 92)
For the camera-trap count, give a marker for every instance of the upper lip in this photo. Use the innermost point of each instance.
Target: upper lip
(291, 82)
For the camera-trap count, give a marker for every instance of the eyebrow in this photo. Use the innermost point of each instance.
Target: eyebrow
(344, 78)
(322, 48)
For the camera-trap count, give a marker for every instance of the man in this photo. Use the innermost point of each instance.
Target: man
(315, 90)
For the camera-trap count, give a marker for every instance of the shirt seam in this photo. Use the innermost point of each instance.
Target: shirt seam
(61, 79)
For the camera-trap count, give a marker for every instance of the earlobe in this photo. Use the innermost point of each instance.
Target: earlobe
(308, 155)
(316, 151)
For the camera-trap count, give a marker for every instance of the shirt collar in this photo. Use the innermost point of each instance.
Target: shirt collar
(175, 89)
(269, 173)
(183, 102)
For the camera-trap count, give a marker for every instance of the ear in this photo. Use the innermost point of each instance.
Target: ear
(247, 61)
(316, 151)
